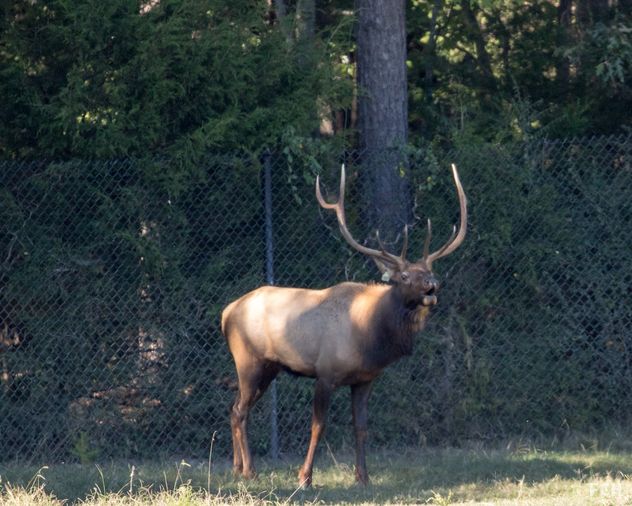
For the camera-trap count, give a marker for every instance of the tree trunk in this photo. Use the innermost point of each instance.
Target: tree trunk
(281, 9)
(277, 12)
(305, 29)
(430, 50)
(383, 113)
(590, 12)
(564, 15)
(483, 59)
(305, 20)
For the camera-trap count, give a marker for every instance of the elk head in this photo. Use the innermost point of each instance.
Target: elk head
(415, 281)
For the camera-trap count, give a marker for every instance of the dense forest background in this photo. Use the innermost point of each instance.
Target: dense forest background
(133, 142)
(180, 77)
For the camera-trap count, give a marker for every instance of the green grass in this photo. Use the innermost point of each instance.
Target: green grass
(412, 476)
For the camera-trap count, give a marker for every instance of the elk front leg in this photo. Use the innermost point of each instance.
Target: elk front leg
(359, 405)
(322, 396)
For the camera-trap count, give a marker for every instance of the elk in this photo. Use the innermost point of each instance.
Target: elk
(344, 335)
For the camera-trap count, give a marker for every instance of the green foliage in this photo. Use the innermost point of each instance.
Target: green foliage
(469, 61)
(83, 450)
(104, 79)
(128, 263)
(113, 286)
(605, 52)
(113, 78)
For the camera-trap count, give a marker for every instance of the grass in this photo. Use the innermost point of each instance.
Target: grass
(411, 476)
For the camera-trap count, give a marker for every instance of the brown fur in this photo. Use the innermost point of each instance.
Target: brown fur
(343, 335)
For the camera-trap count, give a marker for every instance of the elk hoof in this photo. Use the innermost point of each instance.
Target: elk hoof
(249, 474)
(304, 480)
(362, 478)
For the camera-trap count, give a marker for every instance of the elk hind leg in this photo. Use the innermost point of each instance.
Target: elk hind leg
(359, 405)
(254, 379)
(234, 429)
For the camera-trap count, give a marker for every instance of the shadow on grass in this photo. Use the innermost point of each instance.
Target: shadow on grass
(406, 477)
(416, 476)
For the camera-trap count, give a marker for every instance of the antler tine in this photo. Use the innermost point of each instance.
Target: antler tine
(402, 257)
(342, 222)
(441, 251)
(341, 196)
(427, 241)
(379, 241)
(455, 239)
(405, 242)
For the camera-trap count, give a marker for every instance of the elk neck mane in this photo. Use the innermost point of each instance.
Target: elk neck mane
(397, 322)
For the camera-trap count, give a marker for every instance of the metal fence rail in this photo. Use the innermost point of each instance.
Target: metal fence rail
(113, 275)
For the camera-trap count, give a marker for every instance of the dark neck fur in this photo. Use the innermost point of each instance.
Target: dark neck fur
(396, 326)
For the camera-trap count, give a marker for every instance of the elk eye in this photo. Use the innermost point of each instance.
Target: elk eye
(404, 276)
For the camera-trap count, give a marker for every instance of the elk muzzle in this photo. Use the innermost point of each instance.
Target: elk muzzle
(429, 300)
(430, 285)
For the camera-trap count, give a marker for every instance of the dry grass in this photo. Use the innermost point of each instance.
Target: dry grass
(439, 477)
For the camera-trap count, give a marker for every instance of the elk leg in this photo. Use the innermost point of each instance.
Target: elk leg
(359, 405)
(254, 379)
(234, 429)
(322, 396)
(242, 460)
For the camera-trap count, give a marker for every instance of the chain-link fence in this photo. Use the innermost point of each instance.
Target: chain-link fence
(113, 275)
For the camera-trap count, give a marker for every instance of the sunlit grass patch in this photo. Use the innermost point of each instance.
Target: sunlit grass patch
(410, 476)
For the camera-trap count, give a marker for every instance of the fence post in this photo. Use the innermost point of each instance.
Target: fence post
(267, 178)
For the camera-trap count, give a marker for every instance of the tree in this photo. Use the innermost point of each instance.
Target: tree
(383, 112)
(182, 77)
(549, 68)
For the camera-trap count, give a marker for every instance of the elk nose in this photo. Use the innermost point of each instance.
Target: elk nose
(431, 285)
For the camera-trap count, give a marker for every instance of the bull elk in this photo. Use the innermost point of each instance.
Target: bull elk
(342, 335)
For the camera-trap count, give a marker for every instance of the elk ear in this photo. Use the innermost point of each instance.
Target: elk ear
(387, 270)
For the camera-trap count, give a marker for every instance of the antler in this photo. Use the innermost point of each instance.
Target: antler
(381, 255)
(455, 239)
